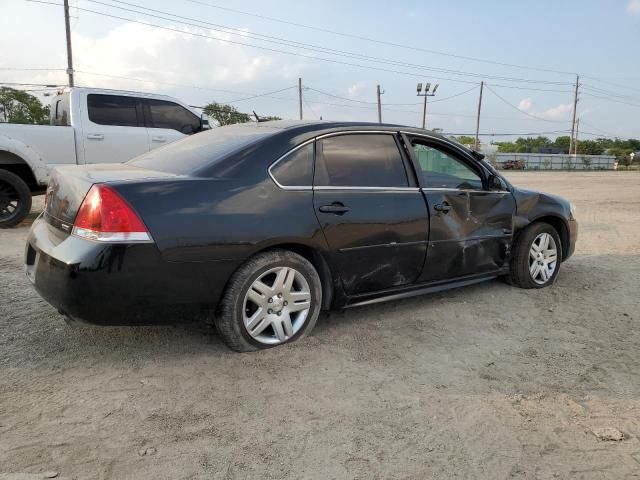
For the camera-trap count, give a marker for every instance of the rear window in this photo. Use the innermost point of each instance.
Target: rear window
(360, 160)
(200, 150)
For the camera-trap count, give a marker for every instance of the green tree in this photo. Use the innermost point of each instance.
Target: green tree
(225, 114)
(590, 147)
(562, 143)
(465, 140)
(18, 106)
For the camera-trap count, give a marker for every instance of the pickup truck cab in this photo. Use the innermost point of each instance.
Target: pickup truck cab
(88, 126)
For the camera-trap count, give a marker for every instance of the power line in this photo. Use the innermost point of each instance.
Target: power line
(382, 42)
(289, 43)
(261, 95)
(316, 48)
(197, 87)
(553, 132)
(519, 110)
(20, 69)
(312, 47)
(609, 99)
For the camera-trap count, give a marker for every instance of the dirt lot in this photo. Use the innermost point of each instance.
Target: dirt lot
(483, 382)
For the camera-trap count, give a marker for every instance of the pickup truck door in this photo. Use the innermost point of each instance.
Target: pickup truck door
(113, 129)
(168, 121)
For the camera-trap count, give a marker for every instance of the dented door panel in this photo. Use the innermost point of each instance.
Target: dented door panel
(470, 232)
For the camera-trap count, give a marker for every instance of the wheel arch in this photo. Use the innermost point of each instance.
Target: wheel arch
(17, 165)
(559, 224)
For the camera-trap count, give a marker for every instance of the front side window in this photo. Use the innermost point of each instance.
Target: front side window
(296, 169)
(112, 110)
(172, 116)
(360, 160)
(441, 170)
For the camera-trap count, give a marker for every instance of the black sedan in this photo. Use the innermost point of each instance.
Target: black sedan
(261, 226)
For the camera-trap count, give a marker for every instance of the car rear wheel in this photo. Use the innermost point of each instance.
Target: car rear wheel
(536, 257)
(274, 298)
(15, 199)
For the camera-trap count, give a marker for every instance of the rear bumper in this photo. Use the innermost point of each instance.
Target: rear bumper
(118, 284)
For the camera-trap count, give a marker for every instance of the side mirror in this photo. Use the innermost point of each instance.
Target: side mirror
(204, 122)
(495, 183)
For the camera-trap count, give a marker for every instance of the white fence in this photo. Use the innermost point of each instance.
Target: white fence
(549, 161)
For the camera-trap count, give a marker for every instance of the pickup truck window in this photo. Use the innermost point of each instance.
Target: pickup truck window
(173, 116)
(113, 110)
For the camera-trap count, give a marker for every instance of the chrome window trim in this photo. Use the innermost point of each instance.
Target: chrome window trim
(373, 189)
(355, 132)
(326, 135)
(471, 190)
(290, 187)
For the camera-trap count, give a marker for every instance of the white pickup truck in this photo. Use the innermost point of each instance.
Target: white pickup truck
(88, 125)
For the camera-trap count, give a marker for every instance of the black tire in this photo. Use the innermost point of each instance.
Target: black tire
(15, 199)
(519, 274)
(229, 318)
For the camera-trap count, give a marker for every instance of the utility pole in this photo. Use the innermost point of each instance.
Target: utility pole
(425, 95)
(573, 120)
(300, 96)
(478, 119)
(575, 144)
(379, 104)
(69, 54)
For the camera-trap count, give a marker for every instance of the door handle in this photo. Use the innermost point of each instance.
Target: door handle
(160, 139)
(336, 208)
(443, 207)
(95, 136)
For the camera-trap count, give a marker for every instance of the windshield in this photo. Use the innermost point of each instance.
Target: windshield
(202, 149)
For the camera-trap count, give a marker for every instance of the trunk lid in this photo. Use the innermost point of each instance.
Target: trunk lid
(68, 187)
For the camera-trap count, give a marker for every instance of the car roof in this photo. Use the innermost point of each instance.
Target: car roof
(296, 127)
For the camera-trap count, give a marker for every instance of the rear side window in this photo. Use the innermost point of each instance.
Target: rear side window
(173, 116)
(360, 160)
(295, 169)
(112, 110)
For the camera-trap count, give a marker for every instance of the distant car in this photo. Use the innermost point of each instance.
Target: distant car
(266, 224)
(513, 165)
(88, 125)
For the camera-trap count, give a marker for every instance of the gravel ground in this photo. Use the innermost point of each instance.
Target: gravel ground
(484, 382)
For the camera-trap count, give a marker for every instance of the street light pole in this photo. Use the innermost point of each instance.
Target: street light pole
(425, 95)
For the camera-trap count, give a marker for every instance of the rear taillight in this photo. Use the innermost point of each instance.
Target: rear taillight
(105, 217)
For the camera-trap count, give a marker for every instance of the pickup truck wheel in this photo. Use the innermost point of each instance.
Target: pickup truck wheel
(15, 199)
(274, 298)
(536, 257)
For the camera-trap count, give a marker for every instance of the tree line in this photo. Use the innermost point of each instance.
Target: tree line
(618, 147)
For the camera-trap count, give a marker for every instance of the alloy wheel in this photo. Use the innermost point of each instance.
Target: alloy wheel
(543, 258)
(276, 305)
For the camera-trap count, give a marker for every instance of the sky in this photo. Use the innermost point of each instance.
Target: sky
(528, 54)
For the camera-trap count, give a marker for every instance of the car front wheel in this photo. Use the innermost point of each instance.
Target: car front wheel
(536, 257)
(273, 298)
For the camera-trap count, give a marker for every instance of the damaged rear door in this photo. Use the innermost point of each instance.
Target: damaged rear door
(471, 226)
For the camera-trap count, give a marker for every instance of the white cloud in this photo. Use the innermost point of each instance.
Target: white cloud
(356, 89)
(634, 6)
(143, 52)
(558, 112)
(525, 104)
